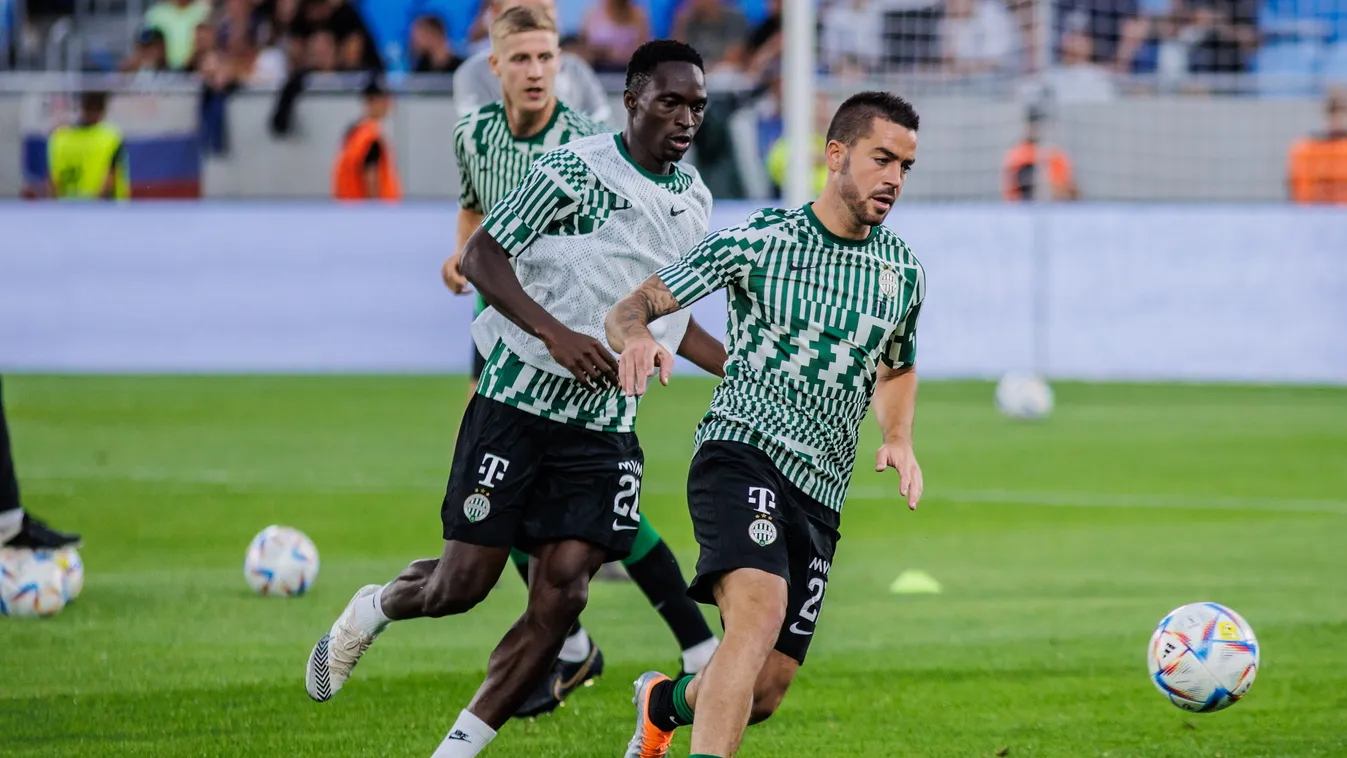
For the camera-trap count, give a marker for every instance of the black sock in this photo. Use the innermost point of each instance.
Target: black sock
(662, 712)
(9, 483)
(523, 569)
(660, 578)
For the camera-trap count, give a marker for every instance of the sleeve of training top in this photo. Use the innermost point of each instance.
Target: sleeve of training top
(467, 191)
(716, 262)
(901, 351)
(550, 193)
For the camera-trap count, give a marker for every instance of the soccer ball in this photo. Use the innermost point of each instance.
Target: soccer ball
(31, 584)
(1021, 395)
(1203, 657)
(68, 558)
(281, 561)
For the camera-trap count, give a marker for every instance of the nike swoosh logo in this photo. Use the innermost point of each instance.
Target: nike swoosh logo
(796, 630)
(676, 212)
(622, 527)
(794, 267)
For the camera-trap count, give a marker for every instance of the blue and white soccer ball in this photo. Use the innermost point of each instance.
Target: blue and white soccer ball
(31, 584)
(1024, 396)
(281, 561)
(1203, 657)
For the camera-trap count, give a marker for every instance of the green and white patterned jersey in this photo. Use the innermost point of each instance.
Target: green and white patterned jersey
(811, 316)
(584, 228)
(492, 161)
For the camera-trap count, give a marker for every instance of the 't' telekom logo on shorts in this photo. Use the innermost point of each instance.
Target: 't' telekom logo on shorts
(492, 469)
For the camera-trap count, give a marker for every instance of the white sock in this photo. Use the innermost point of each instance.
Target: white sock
(11, 522)
(369, 614)
(696, 657)
(576, 647)
(469, 735)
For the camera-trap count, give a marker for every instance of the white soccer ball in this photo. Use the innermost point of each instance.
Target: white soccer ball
(1021, 395)
(68, 558)
(1203, 657)
(281, 561)
(31, 584)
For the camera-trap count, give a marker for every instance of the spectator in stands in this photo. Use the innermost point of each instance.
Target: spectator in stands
(87, 160)
(977, 36)
(431, 52)
(240, 29)
(365, 168)
(177, 21)
(321, 51)
(762, 47)
(1223, 35)
(851, 36)
(1077, 79)
(203, 45)
(355, 49)
(1116, 28)
(149, 55)
(576, 85)
(1317, 170)
(718, 30)
(611, 32)
(1022, 164)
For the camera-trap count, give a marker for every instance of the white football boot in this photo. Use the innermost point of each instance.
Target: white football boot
(337, 653)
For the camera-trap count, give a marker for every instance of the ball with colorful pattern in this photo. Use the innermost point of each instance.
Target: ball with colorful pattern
(281, 561)
(1203, 657)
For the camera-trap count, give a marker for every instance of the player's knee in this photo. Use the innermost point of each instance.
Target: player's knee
(562, 601)
(451, 591)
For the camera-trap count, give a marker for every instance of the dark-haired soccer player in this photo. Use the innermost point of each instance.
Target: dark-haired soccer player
(547, 458)
(495, 146)
(823, 312)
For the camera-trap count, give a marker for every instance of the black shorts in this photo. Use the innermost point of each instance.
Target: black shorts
(519, 480)
(746, 514)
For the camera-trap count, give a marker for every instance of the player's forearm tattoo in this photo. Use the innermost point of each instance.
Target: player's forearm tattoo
(650, 301)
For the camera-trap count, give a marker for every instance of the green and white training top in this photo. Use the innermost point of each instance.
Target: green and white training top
(585, 227)
(811, 316)
(492, 161)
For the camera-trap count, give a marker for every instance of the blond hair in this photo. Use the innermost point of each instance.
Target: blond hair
(520, 19)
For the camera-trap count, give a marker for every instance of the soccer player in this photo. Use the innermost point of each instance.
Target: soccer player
(18, 528)
(476, 82)
(546, 457)
(495, 146)
(823, 304)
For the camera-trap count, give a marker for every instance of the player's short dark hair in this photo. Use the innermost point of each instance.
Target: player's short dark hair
(641, 68)
(94, 100)
(433, 23)
(855, 116)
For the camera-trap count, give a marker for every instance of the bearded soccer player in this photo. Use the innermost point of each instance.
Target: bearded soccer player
(546, 457)
(495, 146)
(823, 304)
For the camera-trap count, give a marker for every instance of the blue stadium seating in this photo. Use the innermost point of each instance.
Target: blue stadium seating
(1325, 20)
(1288, 69)
(1335, 63)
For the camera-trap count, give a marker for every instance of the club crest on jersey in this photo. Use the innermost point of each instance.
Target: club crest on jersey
(888, 282)
(762, 531)
(477, 507)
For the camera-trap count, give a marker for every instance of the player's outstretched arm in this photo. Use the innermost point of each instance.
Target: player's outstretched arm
(486, 264)
(895, 405)
(706, 352)
(628, 329)
(468, 222)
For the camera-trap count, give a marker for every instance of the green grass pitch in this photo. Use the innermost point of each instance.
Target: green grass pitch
(1059, 545)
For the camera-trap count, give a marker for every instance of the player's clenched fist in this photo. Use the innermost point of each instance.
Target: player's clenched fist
(638, 364)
